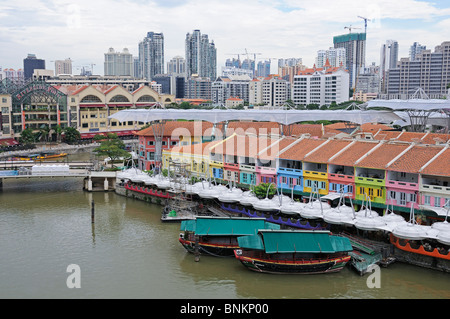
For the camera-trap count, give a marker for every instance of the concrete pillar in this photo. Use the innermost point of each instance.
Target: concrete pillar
(89, 188)
(106, 184)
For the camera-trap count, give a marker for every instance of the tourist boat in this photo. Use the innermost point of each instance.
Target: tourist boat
(50, 155)
(217, 236)
(293, 251)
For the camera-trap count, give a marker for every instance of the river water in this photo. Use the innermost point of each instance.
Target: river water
(45, 226)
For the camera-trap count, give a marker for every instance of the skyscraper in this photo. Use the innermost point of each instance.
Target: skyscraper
(335, 57)
(63, 66)
(177, 66)
(201, 56)
(429, 72)
(151, 55)
(263, 68)
(416, 49)
(355, 53)
(31, 63)
(388, 59)
(119, 63)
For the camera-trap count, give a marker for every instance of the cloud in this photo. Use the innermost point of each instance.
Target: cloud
(85, 30)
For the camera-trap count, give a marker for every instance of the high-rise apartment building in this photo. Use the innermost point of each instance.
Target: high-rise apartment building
(229, 86)
(31, 63)
(289, 62)
(275, 91)
(321, 86)
(151, 55)
(430, 71)
(63, 66)
(263, 68)
(415, 50)
(201, 55)
(355, 53)
(177, 66)
(336, 57)
(198, 88)
(119, 63)
(16, 76)
(388, 59)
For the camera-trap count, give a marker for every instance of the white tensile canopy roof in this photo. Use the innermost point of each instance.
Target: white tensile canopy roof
(285, 117)
(413, 104)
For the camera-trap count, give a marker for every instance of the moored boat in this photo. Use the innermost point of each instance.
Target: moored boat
(294, 252)
(217, 236)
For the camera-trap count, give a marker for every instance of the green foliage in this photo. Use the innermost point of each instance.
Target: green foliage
(165, 172)
(27, 136)
(112, 147)
(261, 190)
(71, 134)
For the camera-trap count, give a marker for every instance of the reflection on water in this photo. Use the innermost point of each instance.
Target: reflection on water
(45, 225)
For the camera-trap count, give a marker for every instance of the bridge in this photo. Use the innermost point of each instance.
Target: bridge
(93, 180)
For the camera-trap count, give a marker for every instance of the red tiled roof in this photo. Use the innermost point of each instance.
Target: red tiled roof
(353, 153)
(272, 152)
(414, 159)
(298, 151)
(440, 166)
(380, 157)
(327, 151)
(177, 128)
(243, 145)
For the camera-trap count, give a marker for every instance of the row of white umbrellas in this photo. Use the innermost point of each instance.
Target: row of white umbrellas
(364, 219)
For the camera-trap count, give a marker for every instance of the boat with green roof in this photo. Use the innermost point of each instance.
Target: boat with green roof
(218, 236)
(294, 251)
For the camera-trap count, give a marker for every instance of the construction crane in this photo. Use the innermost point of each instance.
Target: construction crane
(350, 28)
(254, 55)
(365, 23)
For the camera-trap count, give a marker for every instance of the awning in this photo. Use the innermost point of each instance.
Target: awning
(440, 211)
(120, 104)
(8, 142)
(92, 105)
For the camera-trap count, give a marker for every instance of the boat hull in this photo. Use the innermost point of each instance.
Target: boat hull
(214, 249)
(298, 266)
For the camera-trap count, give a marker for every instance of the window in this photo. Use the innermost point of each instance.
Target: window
(437, 201)
(361, 191)
(427, 200)
(402, 200)
(392, 194)
(350, 189)
(412, 198)
(308, 183)
(322, 185)
(379, 192)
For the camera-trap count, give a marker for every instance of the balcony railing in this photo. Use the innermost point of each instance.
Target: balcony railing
(315, 174)
(402, 184)
(369, 180)
(290, 170)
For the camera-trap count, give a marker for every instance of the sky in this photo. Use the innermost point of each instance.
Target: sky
(84, 30)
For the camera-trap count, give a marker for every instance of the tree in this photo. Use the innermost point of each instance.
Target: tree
(44, 133)
(261, 190)
(112, 147)
(58, 130)
(71, 134)
(27, 136)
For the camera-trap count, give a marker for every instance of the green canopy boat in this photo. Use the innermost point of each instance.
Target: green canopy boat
(293, 251)
(218, 236)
